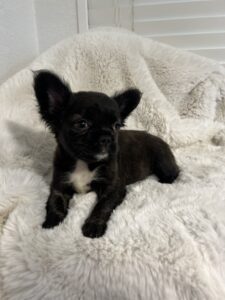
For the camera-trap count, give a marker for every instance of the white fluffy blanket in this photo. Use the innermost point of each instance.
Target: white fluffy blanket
(165, 242)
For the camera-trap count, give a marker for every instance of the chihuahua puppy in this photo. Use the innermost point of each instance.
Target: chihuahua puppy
(92, 153)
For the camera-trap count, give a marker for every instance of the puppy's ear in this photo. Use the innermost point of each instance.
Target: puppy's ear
(52, 95)
(127, 101)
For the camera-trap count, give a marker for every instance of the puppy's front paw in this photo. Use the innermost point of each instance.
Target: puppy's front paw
(52, 220)
(93, 229)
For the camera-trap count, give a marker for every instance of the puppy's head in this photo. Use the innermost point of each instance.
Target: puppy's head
(86, 124)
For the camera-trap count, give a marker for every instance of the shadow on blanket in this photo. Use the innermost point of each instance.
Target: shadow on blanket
(35, 147)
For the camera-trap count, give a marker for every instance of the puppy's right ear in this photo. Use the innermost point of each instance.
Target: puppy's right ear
(52, 95)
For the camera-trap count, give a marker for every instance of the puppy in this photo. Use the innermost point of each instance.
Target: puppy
(92, 153)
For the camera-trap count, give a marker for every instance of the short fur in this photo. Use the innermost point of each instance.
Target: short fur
(92, 153)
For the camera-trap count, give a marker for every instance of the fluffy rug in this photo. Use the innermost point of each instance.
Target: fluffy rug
(165, 242)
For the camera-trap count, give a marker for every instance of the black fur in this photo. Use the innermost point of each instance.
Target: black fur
(85, 125)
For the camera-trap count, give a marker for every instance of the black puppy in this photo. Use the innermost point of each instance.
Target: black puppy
(92, 154)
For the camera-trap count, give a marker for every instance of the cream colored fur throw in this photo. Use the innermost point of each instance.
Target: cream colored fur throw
(164, 242)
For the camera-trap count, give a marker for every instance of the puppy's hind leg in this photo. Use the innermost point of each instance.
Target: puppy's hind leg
(165, 166)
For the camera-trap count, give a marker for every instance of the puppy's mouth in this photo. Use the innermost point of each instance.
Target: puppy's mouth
(104, 149)
(103, 154)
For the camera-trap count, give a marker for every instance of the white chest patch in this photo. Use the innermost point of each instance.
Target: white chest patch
(81, 177)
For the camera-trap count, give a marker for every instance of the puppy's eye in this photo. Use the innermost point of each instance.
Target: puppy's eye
(82, 124)
(117, 125)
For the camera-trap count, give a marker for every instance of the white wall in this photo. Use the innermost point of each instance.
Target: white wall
(55, 20)
(18, 42)
(28, 27)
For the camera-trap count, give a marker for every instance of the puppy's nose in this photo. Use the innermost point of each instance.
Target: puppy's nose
(105, 140)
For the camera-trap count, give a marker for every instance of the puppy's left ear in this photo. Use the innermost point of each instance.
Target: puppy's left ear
(128, 101)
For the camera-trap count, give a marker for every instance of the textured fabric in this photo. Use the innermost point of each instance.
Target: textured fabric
(164, 241)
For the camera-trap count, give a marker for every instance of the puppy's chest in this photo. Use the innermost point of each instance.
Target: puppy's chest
(81, 177)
